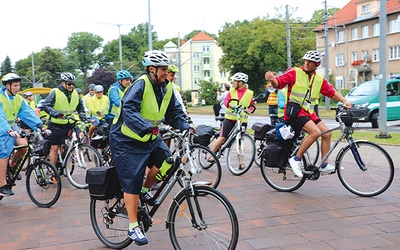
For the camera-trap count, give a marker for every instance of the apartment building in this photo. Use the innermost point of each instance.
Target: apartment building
(353, 38)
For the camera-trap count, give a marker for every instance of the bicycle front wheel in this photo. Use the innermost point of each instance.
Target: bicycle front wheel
(211, 170)
(43, 183)
(205, 220)
(110, 222)
(372, 179)
(79, 161)
(241, 155)
(281, 178)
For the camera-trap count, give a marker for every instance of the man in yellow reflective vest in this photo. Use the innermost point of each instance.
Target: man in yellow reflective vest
(245, 97)
(98, 107)
(134, 136)
(304, 86)
(61, 103)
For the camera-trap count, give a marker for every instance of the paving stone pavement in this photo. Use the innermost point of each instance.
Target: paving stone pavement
(322, 215)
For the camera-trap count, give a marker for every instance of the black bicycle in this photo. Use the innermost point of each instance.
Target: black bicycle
(43, 182)
(199, 216)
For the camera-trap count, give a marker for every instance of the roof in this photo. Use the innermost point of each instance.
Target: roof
(201, 36)
(348, 14)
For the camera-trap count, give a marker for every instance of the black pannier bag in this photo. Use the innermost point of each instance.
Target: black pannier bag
(103, 183)
(203, 134)
(42, 148)
(260, 129)
(276, 154)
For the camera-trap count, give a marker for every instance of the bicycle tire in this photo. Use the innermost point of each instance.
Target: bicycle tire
(211, 171)
(44, 188)
(281, 178)
(109, 220)
(76, 165)
(248, 150)
(259, 145)
(373, 181)
(215, 225)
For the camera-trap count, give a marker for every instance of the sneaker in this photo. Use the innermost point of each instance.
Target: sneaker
(296, 166)
(6, 190)
(327, 169)
(137, 236)
(147, 198)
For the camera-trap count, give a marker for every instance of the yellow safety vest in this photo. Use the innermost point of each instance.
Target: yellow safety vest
(62, 105)
(99, 105)
(149, 110)
(11, 107)
(298, 93)
(114, 109)
(244, 102)
(272, 97)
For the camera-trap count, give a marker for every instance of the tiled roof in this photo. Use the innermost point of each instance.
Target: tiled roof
(201, 36)
(348, 14)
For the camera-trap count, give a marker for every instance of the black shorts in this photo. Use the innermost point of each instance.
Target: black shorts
(59, 132)
(227, 126)
(300, 121)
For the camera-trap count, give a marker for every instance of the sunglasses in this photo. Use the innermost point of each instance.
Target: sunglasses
(70, 84)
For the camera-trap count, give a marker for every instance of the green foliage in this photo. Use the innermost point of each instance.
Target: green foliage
(208, 91)
(6, 66)
(103, 77)
(187, 95)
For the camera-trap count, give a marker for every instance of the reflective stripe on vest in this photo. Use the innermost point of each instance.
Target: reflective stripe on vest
(114, 108)
(62, 105)
(272, 97)
(299, 89)
(149, 110)
(244, 102)
(11, 107)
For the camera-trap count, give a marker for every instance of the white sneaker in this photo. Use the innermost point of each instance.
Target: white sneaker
(328, 169)
(296, 166)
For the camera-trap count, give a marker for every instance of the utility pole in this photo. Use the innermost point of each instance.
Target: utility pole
(327, 100)
(150, 37)
(289, 57)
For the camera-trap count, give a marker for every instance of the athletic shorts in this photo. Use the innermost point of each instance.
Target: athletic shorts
(6, 145)
(227, 126)
(59, 132)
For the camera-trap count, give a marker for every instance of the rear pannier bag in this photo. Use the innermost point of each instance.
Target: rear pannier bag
(103, 183)
(203, 135)
(276, 154)
(260, 129)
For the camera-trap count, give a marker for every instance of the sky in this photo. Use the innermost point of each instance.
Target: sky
(28, 26)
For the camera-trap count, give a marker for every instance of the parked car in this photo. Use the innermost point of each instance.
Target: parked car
(260, 98)
(365, 100)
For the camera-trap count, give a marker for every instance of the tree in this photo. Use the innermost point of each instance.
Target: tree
(6, 66)
(208, 90)
(103, 77)
(81, 47)
(318, 16)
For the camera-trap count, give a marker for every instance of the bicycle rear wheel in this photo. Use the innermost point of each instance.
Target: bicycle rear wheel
(377, 175)
(206, 220)
(43, 183)
(211, 167)
(281, 178)
(110, 222)
(259, 145)
(241, 155)
(78, 162)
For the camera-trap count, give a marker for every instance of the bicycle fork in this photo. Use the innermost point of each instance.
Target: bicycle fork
(357, 157)
(190, 195)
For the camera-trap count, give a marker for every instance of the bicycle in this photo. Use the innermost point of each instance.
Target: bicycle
(364, 168)
(260, 131)
(74, 158)
(43, 182)
(100, 141)
(240, 145)
(199, 216)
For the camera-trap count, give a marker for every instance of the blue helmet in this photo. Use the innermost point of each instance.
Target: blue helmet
(123, 74)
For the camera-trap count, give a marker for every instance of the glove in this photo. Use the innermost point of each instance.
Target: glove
(154, 130)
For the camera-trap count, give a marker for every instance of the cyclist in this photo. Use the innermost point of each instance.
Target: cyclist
(245, 97)
(61, 102)
(272, 102)
(172, 70)
(13, 106)
(98, 108)
(304, 86)
(116, 91)
(134, 139)
(28, 97)
(88, 97)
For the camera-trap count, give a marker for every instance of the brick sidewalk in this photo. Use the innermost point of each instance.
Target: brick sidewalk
(322, 214)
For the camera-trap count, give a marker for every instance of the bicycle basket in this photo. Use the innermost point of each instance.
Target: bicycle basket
(260, 130)
(42, 148)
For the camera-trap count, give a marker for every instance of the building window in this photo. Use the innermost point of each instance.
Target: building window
(206, 61)
(375, 29)
(354, 34)
(196, 55)
(394, 52)
(394, 26)
(340, 37)
(196, 81)
(207, 73)
(222, 74)
(365, 9)
(339, 60)
(206, 48)
(375, 55)
(364, 31)
(196, 68)
(354, 56)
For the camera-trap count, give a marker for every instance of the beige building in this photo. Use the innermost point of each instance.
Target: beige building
(353, 39)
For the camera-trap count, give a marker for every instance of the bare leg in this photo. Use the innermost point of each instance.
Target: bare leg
(54, 154)
(3, 171)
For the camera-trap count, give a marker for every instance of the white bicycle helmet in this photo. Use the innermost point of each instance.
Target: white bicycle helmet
(10, 77)
(156, 58)
(98, 88)
(68, 77)
(313, 55)
(240, 77)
